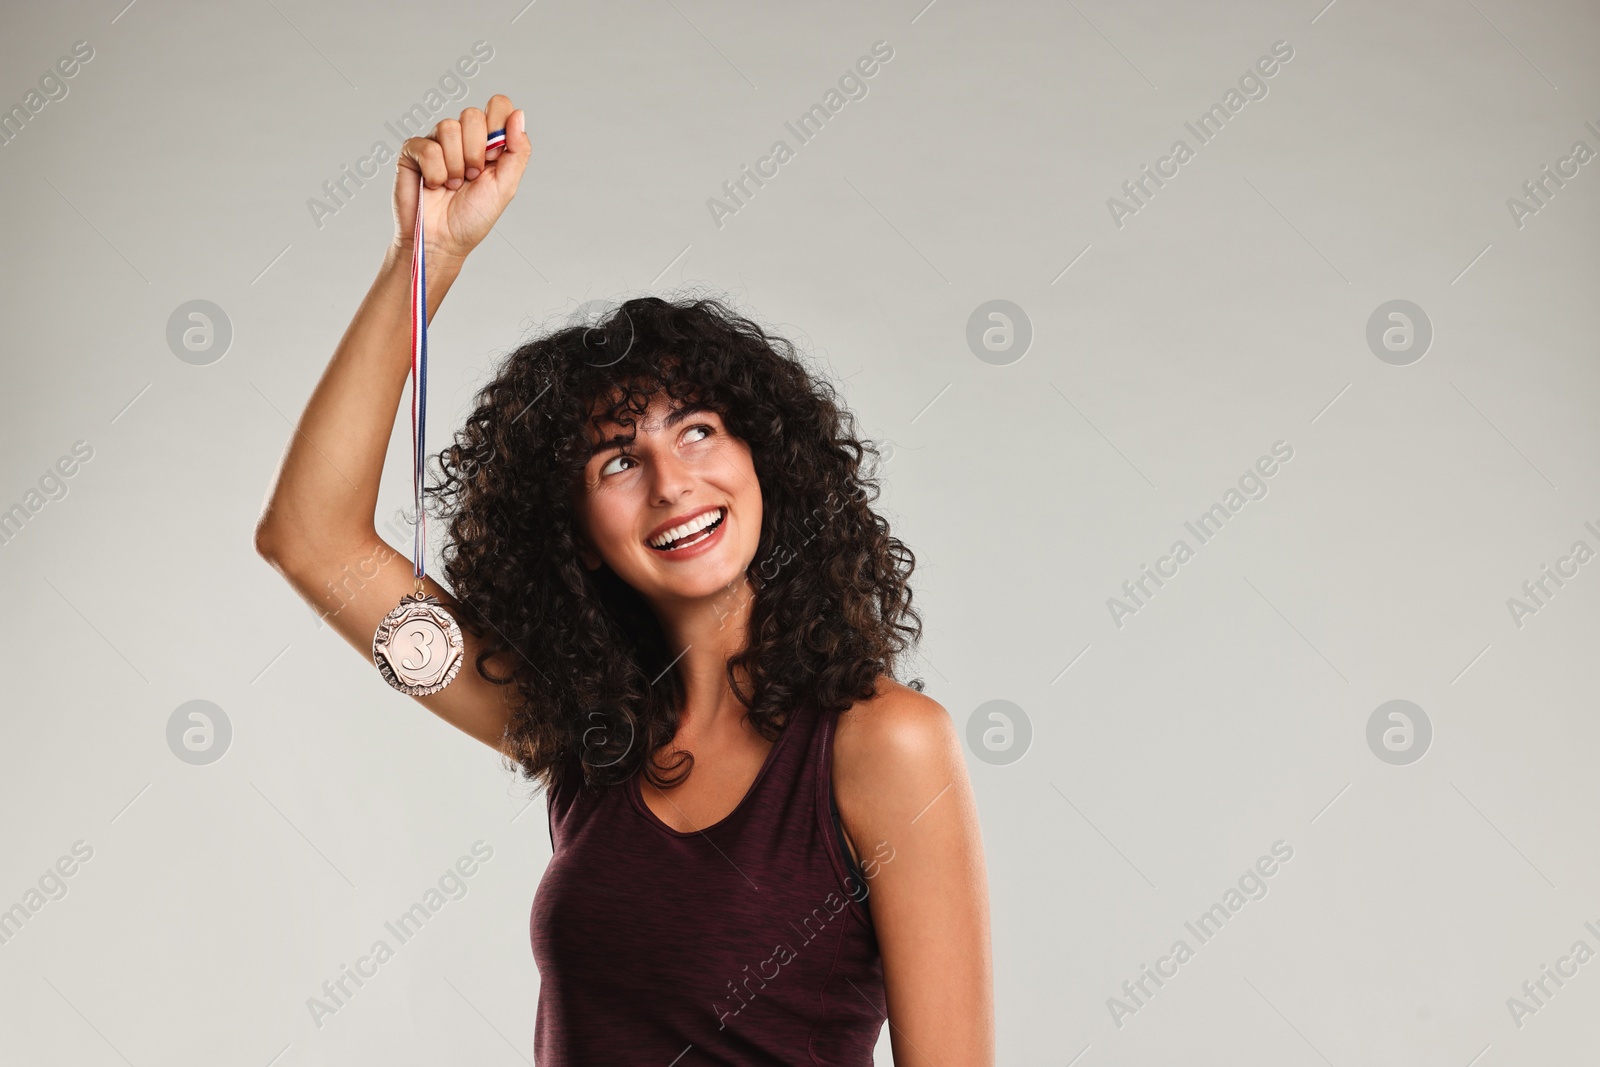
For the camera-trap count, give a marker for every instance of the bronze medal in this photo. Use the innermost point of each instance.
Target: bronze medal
(418, 646)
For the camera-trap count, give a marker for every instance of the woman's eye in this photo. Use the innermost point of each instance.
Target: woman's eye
(606, 467)
(703, 426)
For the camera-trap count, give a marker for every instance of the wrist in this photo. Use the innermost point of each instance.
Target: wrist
(398, 256)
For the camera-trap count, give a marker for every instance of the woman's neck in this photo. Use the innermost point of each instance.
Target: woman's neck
(704, 634)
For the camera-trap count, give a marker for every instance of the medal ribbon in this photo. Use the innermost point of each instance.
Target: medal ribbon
(419, 375)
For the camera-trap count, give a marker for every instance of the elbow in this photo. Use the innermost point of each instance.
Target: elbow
(266, 542)
(278, 551)
(291, 550)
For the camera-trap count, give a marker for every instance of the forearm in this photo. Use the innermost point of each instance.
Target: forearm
(326, 490)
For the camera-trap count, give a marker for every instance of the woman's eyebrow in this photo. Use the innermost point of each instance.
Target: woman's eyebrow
(609, 445)
(674, 417)
(694, 407)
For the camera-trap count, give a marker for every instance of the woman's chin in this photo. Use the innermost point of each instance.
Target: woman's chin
(710, 579)
(712, 583)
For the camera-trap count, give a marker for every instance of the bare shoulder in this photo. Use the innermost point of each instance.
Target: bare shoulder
(893, 752)
(897, 723)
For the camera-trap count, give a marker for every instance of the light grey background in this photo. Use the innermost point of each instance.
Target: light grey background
(1168, 354)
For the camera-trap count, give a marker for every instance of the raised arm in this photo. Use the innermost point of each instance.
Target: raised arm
(317, 528)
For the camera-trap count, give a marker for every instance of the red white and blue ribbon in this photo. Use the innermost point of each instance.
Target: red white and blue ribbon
(419, 374)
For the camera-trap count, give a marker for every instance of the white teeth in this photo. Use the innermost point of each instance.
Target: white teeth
(700, 522)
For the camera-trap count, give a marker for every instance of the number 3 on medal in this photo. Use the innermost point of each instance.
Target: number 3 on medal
(421, 639)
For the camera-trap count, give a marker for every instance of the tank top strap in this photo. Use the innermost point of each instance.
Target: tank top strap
(794, 751)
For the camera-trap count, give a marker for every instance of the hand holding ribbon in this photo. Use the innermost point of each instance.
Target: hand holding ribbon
(461, 180)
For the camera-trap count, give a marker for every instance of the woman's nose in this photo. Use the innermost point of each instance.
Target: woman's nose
(671, 478)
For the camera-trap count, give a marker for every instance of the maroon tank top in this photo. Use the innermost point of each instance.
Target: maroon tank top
(747, 942)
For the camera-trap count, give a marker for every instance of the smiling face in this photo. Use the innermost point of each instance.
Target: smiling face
(676, 511)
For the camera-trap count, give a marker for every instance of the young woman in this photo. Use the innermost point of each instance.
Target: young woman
(681, 617)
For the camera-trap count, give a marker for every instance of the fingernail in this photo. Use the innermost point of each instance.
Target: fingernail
(472, 172)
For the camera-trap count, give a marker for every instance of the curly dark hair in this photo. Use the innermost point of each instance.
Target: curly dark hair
(831, 601)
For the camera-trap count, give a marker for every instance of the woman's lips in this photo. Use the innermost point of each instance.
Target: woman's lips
(699, 542)
(684, 525)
